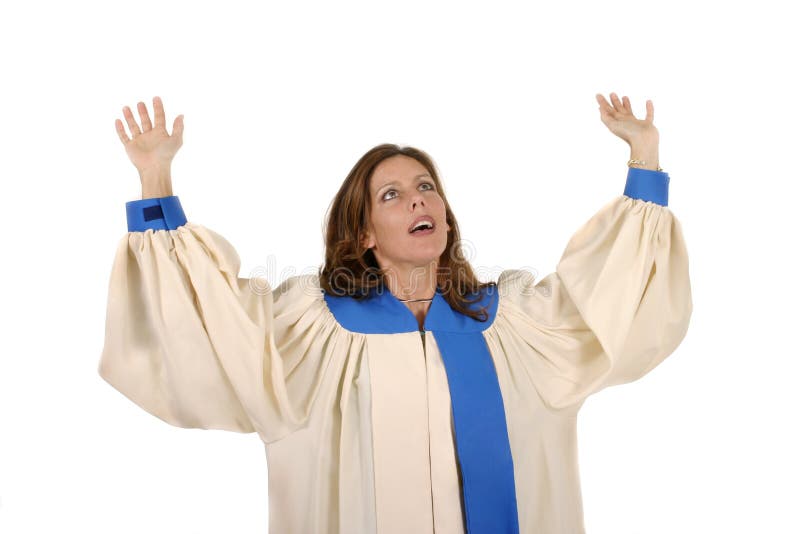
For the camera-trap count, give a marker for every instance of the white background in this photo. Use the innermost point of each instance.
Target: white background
(279, 103)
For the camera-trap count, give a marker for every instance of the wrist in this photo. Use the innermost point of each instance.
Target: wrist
(156, 189)
(646, 153)
(156, 182)
(155, 172)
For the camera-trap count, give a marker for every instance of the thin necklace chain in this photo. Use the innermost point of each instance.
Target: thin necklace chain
(417, 300)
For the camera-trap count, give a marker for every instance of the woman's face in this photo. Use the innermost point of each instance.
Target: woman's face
(401, 191)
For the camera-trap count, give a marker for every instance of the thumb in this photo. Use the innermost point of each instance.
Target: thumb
(650, 113)
(177, 127)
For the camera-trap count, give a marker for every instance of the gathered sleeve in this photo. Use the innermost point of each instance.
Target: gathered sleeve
(618, 303)
(193, 344)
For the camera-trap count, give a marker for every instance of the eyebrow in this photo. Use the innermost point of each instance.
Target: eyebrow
(394, 182)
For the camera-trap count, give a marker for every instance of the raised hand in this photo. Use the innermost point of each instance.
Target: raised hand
(619, 118)
(149, 147)
(640, 134)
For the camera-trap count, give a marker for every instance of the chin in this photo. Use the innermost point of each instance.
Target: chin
(427, 259)
(421, 256)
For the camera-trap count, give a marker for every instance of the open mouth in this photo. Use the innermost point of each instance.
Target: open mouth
(422, 227)
(422, 231)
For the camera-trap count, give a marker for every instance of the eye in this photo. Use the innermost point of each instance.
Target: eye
(429, 188)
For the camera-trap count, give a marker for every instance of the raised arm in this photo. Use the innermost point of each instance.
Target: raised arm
(620, 300)
(186, 338)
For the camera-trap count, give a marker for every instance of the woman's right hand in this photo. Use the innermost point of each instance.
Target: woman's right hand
(150, 148)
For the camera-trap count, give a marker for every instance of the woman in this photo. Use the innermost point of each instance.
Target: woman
(393, 391)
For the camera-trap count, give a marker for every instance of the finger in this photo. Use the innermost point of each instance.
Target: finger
(650, 111)
(132, 126)
(617, 104)
(177, 128)
(123, 135)
(158, 113)
(605, 107)
(144, 116)
(626, 103)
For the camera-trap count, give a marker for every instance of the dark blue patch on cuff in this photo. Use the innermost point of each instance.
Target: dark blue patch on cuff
(163, 213)
(153, 212)
(652, 186)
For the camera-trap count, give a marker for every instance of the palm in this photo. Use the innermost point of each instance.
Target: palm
(619, 118)
(150, 145)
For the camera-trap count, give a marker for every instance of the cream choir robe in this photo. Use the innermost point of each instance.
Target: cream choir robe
(357, 407)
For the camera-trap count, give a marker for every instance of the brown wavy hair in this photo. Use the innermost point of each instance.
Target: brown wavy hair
(351, 269)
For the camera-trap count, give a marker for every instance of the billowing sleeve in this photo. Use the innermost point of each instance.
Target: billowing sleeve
(193, 344)
(618, 303)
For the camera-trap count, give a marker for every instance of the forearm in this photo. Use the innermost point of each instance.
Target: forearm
(156, 183)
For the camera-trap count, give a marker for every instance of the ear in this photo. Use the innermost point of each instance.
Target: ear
(366, 239)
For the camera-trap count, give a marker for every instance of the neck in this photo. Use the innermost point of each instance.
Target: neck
(418, 283)
(412, 283)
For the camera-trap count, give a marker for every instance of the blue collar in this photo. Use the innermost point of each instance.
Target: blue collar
(383, 313)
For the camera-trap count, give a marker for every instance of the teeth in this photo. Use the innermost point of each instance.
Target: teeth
(421, 224)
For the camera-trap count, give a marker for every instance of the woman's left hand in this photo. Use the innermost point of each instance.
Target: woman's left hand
(619, 118)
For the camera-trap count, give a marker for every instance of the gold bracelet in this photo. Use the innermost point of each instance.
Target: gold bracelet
(640, 162)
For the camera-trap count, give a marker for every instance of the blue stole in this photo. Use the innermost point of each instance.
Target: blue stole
(484, 453)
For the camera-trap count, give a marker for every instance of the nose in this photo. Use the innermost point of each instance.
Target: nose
(417, 201)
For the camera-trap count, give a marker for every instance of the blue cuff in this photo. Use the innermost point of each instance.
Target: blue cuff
(647, 185)
(163, 213)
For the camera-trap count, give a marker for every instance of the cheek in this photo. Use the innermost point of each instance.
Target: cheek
(387, 223)
(440, 207)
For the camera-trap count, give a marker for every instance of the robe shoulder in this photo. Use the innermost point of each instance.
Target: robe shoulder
(618, 303)
(197, 346)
